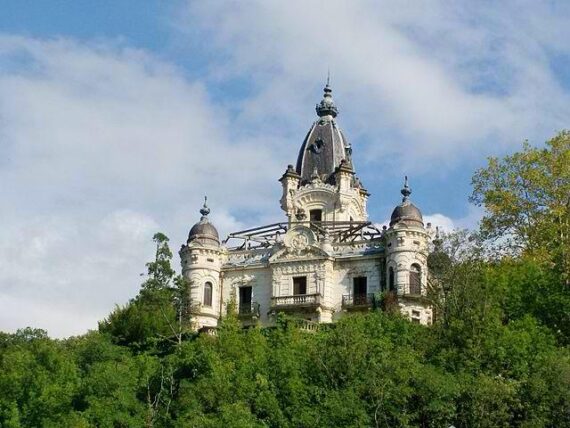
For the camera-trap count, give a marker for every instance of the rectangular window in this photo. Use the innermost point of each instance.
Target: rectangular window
(391, 285)
(359, 290)
(299, 285)
(208, 294)
(415, 280)
(245, 300)
(383, 276)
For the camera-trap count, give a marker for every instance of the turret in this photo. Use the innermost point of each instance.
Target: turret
(201, 265)
(406, 251)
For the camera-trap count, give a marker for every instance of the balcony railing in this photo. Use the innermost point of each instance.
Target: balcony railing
(306, 325)
(249, 310)
(357, 300)
(297, 300)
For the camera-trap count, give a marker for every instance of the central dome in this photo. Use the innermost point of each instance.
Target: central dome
(325, 146)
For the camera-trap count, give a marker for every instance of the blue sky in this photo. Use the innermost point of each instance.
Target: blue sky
(116, 117)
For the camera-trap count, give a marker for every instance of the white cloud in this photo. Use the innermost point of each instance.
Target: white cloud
(426, 84)
(447, 224)
(442, 221)
(102, 146)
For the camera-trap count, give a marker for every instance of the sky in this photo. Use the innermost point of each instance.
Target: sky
(118, 116)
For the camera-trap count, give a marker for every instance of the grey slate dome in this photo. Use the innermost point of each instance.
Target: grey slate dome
(204, 232)
(406, 212)
(325, 146)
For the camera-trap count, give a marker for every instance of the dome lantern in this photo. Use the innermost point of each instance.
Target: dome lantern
(327, 106)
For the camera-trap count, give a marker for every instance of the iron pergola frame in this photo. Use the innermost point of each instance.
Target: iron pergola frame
(336, 231)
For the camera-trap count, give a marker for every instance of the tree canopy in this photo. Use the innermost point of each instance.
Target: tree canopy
(527, 199)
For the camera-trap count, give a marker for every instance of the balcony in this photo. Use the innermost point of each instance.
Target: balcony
(296, 301)
(358, 301)
(248, 310)
(307, 326)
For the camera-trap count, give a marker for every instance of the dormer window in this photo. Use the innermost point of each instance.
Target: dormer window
(316, 215)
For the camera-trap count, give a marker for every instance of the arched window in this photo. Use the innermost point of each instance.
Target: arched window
(208, 294)
(391, 285)
(415, 279)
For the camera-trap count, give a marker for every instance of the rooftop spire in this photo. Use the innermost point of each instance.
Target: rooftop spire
(406, 191)
(205, 210)
(327, 107)
(437, 241)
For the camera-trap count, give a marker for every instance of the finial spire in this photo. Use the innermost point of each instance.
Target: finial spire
(437, 241)
(406, 191)
(205, 210)
(328, 77)
(327, 107)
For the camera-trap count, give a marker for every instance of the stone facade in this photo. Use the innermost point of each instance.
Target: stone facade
(326, 259)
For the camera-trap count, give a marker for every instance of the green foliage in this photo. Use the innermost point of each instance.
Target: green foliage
(159, 313)
(527, 199)
(374, 369)
(37, 380)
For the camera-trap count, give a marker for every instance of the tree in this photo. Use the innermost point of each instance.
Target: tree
(37, 380)
(160, 311)
(527, 201)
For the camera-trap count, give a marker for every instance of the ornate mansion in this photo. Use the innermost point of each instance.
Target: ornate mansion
(325, 259)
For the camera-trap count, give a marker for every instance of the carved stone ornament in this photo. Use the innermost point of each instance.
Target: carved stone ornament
(242, 280)
(299, 238)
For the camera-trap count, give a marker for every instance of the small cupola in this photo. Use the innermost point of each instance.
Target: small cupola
(406, 212)
(204, 232)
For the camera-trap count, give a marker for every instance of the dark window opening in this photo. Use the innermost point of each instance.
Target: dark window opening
(391, 285)
(316, 215)
(245, 299)
(359, 290)
(299, 285)
(208, 294)
(415, 279)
